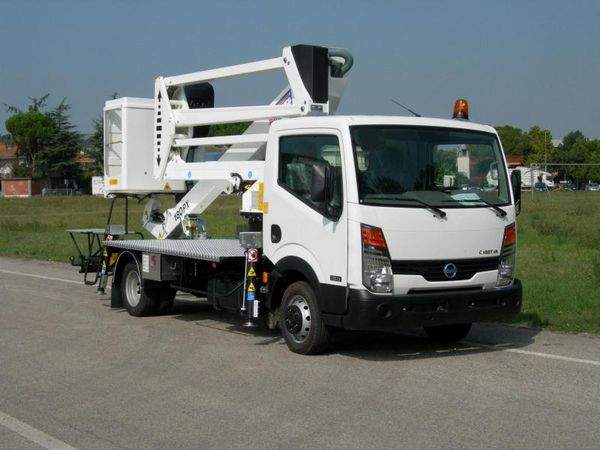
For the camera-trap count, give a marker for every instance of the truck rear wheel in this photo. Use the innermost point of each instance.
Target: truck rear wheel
(137, 300)
(448, 334)
(302, 326)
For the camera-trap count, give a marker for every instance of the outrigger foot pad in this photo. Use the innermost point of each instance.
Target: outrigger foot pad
(250, 324)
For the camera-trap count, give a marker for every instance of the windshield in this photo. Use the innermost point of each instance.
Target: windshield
(444, 167)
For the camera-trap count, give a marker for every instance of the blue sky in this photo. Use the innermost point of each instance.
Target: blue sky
(518, 62)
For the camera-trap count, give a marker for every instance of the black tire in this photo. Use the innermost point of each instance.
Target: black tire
(301, 322)
(138, 302)
(448, 334)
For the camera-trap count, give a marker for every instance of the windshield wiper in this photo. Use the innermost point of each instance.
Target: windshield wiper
(436, 211)
(499, 211)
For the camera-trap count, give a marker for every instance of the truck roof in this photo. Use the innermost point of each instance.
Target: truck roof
(319, 121)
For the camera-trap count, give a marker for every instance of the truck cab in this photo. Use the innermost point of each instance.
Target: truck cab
(392, 222)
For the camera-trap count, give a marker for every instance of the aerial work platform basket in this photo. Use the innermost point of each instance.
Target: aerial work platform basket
(128, 138)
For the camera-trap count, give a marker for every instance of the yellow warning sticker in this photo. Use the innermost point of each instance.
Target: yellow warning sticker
(251, 272)
(251, 288)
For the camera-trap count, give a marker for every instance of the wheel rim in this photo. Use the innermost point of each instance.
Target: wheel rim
(133, 289)
(297, 319)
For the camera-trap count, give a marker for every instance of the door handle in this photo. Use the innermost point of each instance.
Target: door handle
(275, 233)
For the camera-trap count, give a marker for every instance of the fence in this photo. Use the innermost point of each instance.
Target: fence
(57, 192)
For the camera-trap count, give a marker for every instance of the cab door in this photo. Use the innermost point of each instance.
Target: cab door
(299, 230)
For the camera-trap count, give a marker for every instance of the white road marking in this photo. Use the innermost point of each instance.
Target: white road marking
(32, 434)
(539, 354)
(10, 272)
(551, 356)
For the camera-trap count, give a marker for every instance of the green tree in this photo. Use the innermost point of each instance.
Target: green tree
(35, 104)
(571, 138)
(95, 143)
(30, 132)
(47, 140)
(541, 148)
(228, 129)
(514, 141)
(19, 170)
(95, 146)
(593, 157)
(572, 150)
(59, 158)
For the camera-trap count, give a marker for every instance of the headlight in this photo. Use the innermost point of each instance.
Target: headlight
(506, 267)
(377, 267)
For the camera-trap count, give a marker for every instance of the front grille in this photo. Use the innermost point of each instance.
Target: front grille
(433, 270)
(445, 290)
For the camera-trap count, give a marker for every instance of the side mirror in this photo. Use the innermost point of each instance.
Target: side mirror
(515, 181)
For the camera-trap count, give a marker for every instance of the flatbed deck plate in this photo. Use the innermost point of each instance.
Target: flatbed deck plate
(215, 250)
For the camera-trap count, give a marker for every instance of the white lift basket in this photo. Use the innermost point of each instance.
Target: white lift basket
(128, 143)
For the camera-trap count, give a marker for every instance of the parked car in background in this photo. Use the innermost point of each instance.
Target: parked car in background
(567, 185)
(592, 187)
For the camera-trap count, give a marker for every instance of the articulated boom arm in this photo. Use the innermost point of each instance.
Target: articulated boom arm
(184, 109)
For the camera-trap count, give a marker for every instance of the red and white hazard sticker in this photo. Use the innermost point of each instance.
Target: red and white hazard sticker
(252, 255)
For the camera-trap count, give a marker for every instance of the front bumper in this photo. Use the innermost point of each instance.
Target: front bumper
(367, 311)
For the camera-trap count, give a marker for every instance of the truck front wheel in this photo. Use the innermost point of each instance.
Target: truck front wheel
(302, 326)
(448, 334)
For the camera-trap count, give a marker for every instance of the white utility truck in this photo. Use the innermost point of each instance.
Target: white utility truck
(356, 222)
(530, 177)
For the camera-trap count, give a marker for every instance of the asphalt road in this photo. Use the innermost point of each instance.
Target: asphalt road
(74, 372)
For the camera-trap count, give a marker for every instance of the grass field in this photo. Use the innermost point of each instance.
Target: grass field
(558, 256)
(35, 227)
(559, 260)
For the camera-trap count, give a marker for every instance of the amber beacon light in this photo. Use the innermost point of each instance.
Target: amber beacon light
(461, 109)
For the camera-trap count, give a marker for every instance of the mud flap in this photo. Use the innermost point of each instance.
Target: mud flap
(116, 299)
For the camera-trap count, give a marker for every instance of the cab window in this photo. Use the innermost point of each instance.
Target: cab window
(297, 156)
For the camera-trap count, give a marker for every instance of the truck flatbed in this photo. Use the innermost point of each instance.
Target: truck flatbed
(215, 250)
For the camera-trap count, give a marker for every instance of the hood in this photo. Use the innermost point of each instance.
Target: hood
(415, 233)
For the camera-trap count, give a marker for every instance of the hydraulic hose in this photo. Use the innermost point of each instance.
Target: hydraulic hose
(338, 70)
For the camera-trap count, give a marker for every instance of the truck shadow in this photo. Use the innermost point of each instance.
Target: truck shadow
(204, 315)
(372, 346)
(484, 338)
